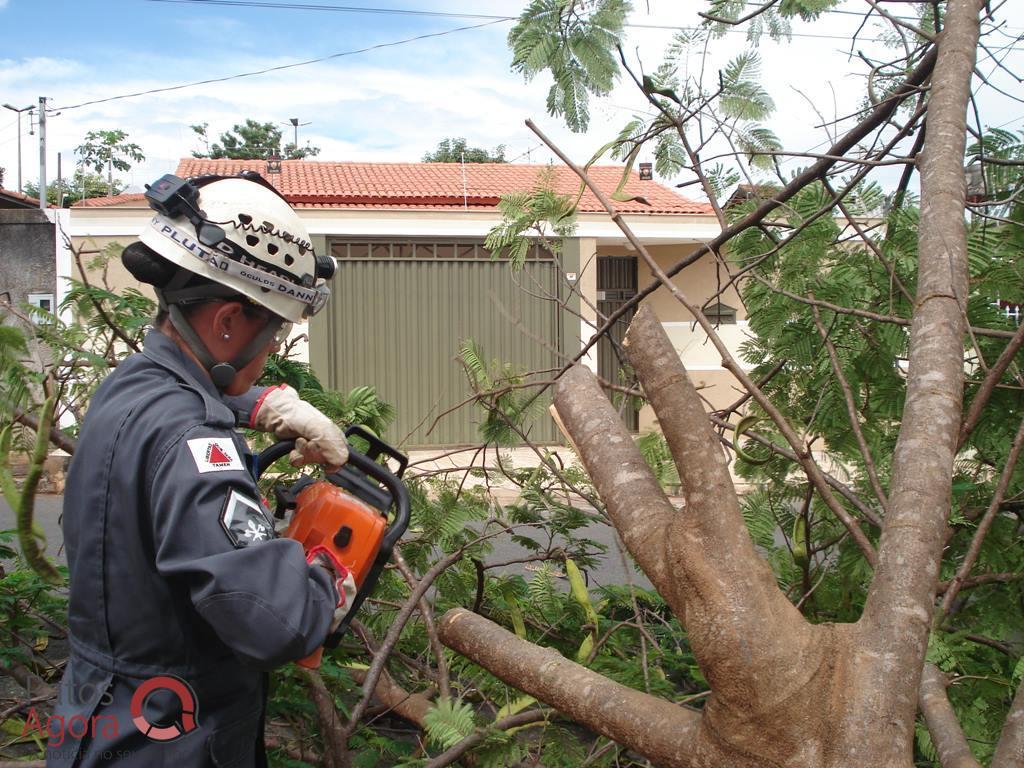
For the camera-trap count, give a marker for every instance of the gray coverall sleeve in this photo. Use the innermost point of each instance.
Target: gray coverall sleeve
(242, 405)
(257, 592)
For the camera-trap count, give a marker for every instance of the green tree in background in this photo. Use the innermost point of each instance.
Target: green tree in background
(107, 151)
(81, 186)
(456, 151)
(251, 140)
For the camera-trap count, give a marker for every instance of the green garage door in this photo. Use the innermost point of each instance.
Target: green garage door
(399, 313)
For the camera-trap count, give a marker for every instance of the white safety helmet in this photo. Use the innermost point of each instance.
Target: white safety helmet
(239, 232)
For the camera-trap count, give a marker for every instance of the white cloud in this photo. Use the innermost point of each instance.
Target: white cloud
(392, 104)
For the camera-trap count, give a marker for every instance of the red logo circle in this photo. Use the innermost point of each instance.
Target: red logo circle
(185, 695)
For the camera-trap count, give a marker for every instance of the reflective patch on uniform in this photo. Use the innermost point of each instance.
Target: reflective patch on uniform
(244, 521)
(214, 454)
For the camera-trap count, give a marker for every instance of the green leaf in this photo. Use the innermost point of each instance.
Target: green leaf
(449, 722)
(742, 96)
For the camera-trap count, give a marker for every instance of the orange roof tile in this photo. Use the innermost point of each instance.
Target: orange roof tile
(21, 197)
(111, 202)
(316, 184)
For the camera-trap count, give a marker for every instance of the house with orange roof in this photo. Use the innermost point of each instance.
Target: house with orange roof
(414, 281)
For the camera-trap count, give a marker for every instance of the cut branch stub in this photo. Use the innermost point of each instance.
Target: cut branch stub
(657, 729)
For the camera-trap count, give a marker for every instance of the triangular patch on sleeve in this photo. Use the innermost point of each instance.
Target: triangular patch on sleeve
(215, 454)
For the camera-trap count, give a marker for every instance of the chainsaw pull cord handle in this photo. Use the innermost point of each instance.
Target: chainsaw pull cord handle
(400, 502)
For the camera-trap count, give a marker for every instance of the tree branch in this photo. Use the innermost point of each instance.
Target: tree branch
(380, 657)
(978, 539)
(427, 613)
(876, 117)
(718, 571)
(98, 305)
(452, 754)
(728, 361)
(851, 411)
(988, 385)
(632, 496)
(655, 728)
(945, 730)
(1010, 750)
(408, 706)
(898, 611)
(336, 750)
(57, 437)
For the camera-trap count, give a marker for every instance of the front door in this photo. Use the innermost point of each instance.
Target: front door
(616, 284)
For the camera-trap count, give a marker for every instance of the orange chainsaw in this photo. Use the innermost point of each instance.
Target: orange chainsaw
(347, 512)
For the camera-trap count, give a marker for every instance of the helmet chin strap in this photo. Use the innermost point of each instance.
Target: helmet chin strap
(221, 372)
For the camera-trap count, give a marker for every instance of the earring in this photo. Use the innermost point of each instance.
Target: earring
(227, 336)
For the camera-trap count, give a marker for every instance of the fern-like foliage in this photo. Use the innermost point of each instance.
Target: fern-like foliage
(871, 357)
(295, 373)
(575, 42)
(449, 722)
(507, 404)
(540, 215)
(654, 448)
(743, 97)
(361, 405)
(16, 377)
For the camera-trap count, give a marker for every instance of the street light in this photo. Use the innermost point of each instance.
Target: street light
(295, 124)
(19, 111)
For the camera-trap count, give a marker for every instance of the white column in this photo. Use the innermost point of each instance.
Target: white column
(587, 285)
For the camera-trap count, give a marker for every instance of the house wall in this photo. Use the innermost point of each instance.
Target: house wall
(27, 248)
(596, 235)
(698, 282)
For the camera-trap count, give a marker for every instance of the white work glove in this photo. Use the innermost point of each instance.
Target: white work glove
(344, 583)
(317, 439)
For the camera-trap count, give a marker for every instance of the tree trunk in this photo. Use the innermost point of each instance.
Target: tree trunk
(784, 692)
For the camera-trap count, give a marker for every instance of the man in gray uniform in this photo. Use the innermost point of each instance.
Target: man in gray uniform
(182, 596)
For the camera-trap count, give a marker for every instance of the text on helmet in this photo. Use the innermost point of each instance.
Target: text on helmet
(235, 268)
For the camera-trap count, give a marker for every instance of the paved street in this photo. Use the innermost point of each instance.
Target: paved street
(48, 515)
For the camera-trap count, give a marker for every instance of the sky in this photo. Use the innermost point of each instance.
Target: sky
(403, 75)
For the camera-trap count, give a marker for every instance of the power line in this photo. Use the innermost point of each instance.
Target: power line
(277, 68)
(489, 21)
(270, 4)
(414, 12)
(340, 9)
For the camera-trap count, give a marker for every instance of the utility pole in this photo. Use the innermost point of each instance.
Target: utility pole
(42, 152)
(19, 111)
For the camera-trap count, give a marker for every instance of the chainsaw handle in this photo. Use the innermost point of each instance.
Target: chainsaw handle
(268, 456)
(399, 500)
(379, 472)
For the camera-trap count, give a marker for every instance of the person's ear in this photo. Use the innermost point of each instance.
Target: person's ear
(227, 320)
